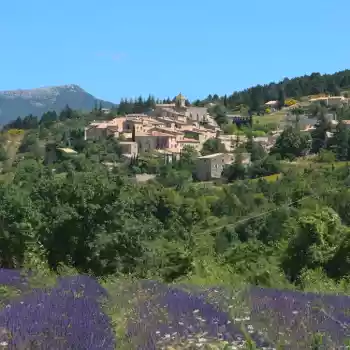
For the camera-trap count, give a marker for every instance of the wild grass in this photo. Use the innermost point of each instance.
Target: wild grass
(272, 118)
(269, 178)
(312, 164)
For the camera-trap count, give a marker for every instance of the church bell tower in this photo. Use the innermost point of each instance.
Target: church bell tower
(180, 100)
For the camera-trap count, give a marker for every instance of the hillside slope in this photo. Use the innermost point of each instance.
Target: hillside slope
(38, 101)
(313, 84)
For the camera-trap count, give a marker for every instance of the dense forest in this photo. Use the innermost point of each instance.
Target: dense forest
(256, 96)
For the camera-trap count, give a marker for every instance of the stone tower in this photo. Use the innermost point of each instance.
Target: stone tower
(180, 100)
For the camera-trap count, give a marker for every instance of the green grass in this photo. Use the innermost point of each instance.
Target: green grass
(304, 164)
(269, 178)
(275, 117)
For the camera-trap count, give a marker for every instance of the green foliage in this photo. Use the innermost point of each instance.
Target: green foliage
(295, 88)
(212, 146)
(258, 133)
(326, 156)
(18, 225)
(292, 143)
(169, 260)
(314, 239)
(256, 151)
(257, 263)
(342, 142)
(237, 170)
(230, 129)
(281, 97)
(77, 214)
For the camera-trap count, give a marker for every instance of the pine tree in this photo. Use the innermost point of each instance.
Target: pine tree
(67, 113)
(342, 139)
(281, 98)
(139, 105)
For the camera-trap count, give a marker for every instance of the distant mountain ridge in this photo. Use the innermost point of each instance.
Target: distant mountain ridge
(19, 103)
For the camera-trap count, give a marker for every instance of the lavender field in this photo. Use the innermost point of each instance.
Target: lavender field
(76, 312)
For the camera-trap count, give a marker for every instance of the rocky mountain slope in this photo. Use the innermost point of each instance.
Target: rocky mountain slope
(38, 101)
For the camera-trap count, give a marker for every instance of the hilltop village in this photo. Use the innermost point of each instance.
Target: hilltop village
(167, 130)
(170, 128)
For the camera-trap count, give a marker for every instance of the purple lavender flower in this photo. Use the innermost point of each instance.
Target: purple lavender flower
(173, 314)
(12, 278)
(60, 318)
(69, 316)
(295, 317)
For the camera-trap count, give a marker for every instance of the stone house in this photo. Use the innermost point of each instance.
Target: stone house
(98, 130)
(129, 148)
(156, 140)
(140, 123)
(189, 142)
(179, 111)
(272, 105)
(211, 166)
(195, 135)
(331, 100)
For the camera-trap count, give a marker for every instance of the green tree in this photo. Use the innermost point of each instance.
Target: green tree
(166, 259)
(212, 146)
(18, 222)
(292, 143)
(256, 263)
(341, 142)
(256, 150)
(230, 129)
(49, 118)
(265, 167)
(67, 113)
(219, 114)
(281, 97)
(315, 236)
(187, 159)
(237, 170)
(319, 134)
(171, 177)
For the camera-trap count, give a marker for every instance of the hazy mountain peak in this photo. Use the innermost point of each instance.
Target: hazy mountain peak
(44, 91)
(21, 102)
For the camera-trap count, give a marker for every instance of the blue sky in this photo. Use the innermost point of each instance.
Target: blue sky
(121, 48)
